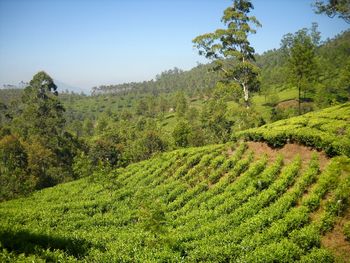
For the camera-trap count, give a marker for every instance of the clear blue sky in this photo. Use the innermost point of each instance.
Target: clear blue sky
(86, 43)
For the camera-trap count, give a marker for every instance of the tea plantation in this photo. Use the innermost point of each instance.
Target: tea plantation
(327, 130)
(218, 203)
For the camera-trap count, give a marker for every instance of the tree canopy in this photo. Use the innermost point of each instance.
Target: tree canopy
(300, 49)
(332, 8)
(42, 113)
(230, 48)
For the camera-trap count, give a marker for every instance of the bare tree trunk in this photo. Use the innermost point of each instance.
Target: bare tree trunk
(246, 95)
(299, 99)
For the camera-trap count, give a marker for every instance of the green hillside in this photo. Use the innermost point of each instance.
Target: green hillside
(327, 130)
(241, 202)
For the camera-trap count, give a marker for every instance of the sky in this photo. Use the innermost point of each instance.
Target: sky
(86, 43)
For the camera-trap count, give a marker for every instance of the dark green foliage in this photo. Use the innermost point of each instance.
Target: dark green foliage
(12, 154)
(216, 122)
(332, 8)
(82, 165)
(227, 91)
(43, 113)
(26, 242)
(246, 118)
(36, 151)
(300, 49)
(182, 134)
(105, 151)
(333, 83)
(150, 143)
(5, 116)
(14, 177)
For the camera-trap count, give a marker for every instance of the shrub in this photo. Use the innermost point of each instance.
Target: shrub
(347, 231)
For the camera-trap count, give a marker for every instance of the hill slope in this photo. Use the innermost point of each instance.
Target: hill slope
(334, 54)
(241, 202)
(327, 130)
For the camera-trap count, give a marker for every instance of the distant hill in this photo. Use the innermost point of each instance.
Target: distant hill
(333, 54)
(20, 85)
(10, 92)
(63, 87)
(198, 78)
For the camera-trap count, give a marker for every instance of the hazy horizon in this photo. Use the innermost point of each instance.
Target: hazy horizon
(90, 43)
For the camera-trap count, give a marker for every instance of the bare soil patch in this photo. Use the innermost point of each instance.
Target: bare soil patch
(287, 104)
(230, 152)
(289, 152)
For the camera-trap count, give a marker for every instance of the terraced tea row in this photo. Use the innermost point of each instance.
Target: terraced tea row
(216, 203)
(327, 130)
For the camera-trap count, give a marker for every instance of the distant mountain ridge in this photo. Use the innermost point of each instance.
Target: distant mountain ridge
(333, 52)
(63, 87)
(20, 85)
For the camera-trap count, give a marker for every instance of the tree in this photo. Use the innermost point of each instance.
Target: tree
(5, 116)
(12, 154)
(43, 113)
(102, 124)
(227, 91)
(41, 126)
(230, 49)
(14, 179)
(149, 142)
(142, 107)
(41, 164)
(88, 127)
(181, 104)
(82, 165)
(163, 104)
(76, 128)
(216, 122)
(344, 83)
(182, 133)
(105, 151)
(333, 8)
(300, 50)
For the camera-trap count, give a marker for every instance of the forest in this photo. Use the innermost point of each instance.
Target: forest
(243, 159)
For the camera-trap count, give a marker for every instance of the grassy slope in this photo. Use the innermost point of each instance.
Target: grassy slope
(214, 203)
(260, 101)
